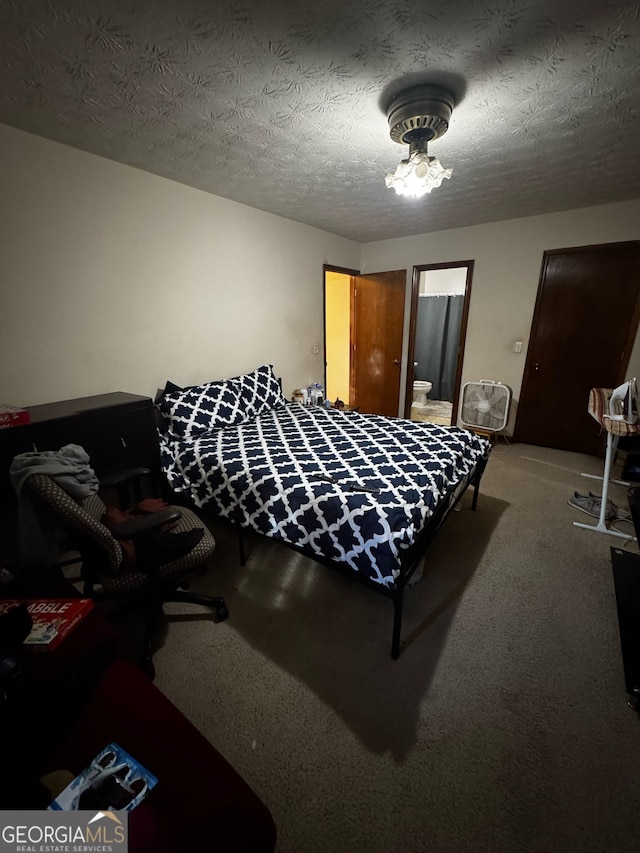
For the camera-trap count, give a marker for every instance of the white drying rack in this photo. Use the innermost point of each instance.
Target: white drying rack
(599, 408)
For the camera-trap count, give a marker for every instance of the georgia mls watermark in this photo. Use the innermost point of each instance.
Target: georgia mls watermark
(63, 832)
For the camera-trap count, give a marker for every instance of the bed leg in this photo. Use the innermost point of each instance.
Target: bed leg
(474, 500)
(476, 483)
(241, 551)
(398, 603)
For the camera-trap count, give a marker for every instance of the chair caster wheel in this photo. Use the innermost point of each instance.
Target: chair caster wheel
(633, 700)
(222, 612)
(148, 668)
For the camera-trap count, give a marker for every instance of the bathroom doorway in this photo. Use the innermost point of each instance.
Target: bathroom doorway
(439, 312)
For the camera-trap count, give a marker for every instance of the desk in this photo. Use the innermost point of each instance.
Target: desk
(626, 578)
(598, 409)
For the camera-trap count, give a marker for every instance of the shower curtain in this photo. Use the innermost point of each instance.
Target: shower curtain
(436, 347)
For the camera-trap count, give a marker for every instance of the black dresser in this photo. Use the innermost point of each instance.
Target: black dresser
(117, 430)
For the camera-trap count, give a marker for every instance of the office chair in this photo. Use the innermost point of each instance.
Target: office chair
(138, 558)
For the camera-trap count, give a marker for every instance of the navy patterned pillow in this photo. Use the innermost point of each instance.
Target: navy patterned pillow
(260, 391)
(200, 408)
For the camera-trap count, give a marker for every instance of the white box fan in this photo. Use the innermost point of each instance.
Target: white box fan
(485, 405)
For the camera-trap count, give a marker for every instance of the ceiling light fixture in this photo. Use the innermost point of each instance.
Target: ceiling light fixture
(416, 116)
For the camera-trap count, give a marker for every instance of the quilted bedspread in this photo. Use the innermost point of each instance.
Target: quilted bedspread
(352, 488)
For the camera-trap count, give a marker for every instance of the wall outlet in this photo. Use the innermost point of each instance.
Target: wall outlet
(517, 347)
(316, 349)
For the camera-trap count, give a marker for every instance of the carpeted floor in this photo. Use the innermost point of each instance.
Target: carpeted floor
(502, 727)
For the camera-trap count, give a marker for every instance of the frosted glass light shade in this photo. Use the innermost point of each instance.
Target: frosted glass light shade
(417, 175)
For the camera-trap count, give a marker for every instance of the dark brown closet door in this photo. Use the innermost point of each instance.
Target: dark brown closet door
(584, 328)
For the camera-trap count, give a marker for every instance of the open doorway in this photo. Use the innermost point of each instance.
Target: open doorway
(439, 311)
(337, 334)
(364, 322)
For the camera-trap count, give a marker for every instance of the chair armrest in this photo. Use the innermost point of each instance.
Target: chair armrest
(145, 523)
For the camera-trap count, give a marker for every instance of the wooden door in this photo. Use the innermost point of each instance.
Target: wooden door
(584, 327)
(376, 336)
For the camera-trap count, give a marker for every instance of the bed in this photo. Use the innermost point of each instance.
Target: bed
(362, 493)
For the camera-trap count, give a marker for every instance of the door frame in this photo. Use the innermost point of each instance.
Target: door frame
(413, 321)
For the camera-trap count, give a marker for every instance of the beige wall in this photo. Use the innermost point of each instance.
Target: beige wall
(508, 257)
(114, 279)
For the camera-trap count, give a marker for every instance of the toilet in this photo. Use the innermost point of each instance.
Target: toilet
(420, 391)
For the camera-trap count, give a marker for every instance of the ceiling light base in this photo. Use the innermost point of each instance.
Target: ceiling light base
(420, 112)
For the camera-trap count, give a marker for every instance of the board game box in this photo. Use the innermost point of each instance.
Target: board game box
(53, 619)
(114, 781)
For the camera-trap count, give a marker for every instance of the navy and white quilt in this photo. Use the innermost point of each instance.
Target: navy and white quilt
(352, 488)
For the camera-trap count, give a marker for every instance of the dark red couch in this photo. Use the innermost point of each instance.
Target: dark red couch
(64, 707)
(200, 801)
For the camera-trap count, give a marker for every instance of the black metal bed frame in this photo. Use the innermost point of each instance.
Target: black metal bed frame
(410, 558)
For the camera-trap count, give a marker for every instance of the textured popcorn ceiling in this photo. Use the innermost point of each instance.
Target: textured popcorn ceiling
(280, 104)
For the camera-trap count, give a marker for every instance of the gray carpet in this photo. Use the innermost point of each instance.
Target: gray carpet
(502, 727)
